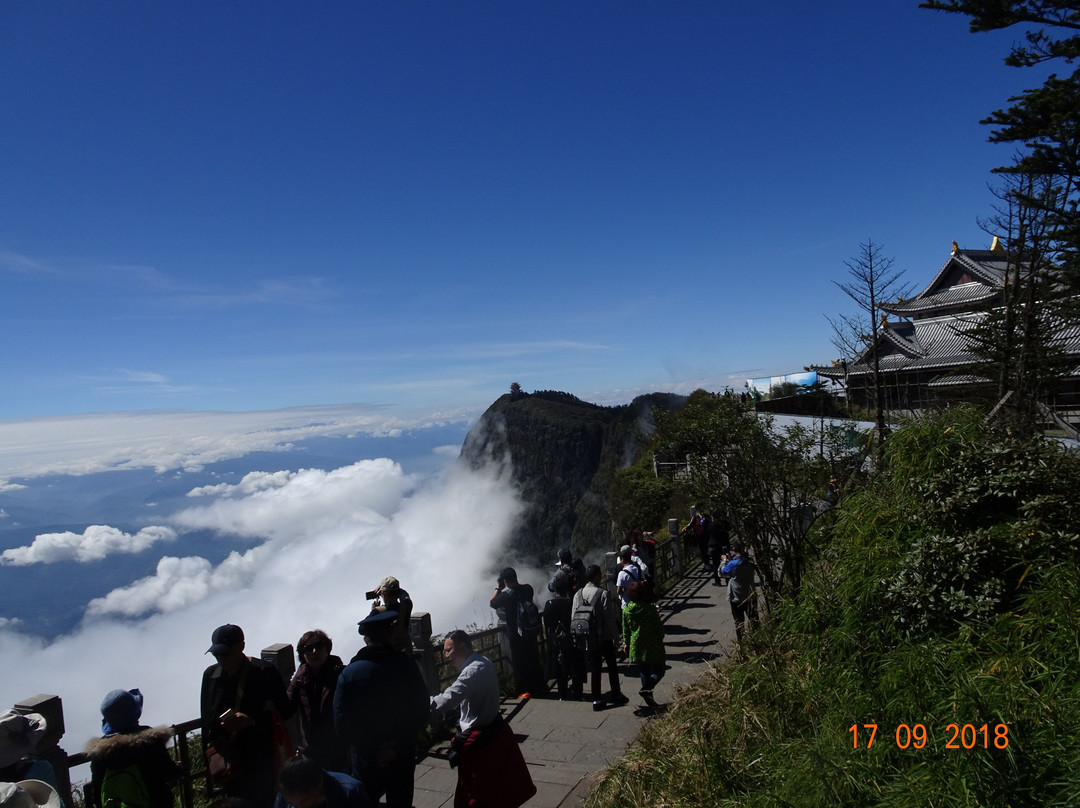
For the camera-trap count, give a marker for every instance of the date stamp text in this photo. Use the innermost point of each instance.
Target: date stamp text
(917, 736)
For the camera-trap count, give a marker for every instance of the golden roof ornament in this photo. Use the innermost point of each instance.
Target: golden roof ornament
(996, 246)
(955, 248)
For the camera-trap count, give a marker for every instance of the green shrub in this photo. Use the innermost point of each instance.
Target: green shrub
(946, 591)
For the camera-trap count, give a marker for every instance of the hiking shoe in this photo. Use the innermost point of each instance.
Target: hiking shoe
(647, 697)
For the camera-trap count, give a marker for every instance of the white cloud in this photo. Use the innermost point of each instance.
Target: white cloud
(249, 484)
(86, 444)
(93, 544)
(311, 501)
(177, 584)
(327, 538)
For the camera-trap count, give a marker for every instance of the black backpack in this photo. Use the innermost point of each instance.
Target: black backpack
(528, 618)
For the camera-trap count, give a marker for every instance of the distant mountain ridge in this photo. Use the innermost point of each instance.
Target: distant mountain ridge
(563, 453)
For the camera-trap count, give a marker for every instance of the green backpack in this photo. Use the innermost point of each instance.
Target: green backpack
(125, 788)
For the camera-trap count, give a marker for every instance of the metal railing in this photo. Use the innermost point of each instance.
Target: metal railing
(668, 564)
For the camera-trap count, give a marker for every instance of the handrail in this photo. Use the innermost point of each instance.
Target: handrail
(486, 641)
(491, 642)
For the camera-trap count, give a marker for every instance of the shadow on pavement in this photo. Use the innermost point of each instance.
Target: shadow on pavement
(671, 631)
(694, 657)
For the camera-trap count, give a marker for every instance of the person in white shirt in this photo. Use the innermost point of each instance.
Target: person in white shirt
(630, 572)
(491, 769)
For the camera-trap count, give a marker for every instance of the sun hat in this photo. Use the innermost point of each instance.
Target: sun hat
(19, 735)
(28, 794)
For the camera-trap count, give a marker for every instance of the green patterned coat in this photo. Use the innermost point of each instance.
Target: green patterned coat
(643, 633)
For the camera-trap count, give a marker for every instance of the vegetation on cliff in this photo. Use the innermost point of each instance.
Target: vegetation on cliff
(944, 598)
(764, 480)
(563, 453)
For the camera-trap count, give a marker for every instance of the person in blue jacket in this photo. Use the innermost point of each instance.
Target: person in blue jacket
(380, 706)
(303, 783)
(739, 571)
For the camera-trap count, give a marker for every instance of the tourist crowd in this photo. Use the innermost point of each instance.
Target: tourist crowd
(358, 722)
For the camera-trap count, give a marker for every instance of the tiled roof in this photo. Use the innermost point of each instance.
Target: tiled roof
(962, 294)
(986, 263)
(937, 342)
(1070, 339)
(985, 267)
(958, 380)
(934, 337)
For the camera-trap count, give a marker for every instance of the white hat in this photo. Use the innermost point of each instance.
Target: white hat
(28, 794)
(19, 735)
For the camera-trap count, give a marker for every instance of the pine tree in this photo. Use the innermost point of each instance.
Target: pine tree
(873, 282)
(1018, 339)
(1043, 121)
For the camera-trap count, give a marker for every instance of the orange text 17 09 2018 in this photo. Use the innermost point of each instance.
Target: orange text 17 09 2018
(917, 736)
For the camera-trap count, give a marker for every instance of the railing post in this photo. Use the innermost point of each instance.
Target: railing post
(676, 549)
(281, 656)
(423, 652)
(180, 743)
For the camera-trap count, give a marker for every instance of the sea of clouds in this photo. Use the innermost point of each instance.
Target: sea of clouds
(308, 543)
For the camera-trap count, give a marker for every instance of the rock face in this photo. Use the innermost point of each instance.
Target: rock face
(563, 452)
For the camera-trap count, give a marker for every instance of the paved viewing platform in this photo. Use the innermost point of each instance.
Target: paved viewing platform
(565, 743)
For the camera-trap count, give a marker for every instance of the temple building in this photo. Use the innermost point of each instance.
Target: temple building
(924, 353)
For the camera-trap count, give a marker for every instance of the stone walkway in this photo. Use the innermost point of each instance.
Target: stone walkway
(566, 744)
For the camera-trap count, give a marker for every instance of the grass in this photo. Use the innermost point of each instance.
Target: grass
(894, 627)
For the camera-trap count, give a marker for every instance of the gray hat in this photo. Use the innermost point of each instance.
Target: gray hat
(19, 735)
(376, 622)
(389, 585)
(28, 794)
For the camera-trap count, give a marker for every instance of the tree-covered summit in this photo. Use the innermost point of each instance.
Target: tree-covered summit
(562, 453)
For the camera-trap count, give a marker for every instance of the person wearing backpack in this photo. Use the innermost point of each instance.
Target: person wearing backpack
(630, 572)
(130, 765)
(595, 622)
(739, 570)
(569, 568)
(514, 603)
(643, 634)
(565, 660)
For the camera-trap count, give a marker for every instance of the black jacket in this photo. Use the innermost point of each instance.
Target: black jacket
(143, 747)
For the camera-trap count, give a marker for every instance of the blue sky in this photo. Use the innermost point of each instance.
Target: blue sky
(254, 205)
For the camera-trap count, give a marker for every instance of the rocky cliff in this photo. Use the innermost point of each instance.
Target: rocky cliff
(563, 452)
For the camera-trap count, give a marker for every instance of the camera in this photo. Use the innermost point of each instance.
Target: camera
(374, 593)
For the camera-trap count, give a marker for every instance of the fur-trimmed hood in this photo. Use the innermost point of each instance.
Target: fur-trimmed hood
(125, 744)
